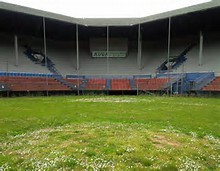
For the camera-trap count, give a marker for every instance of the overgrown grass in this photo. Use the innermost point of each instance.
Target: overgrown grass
(109, 133)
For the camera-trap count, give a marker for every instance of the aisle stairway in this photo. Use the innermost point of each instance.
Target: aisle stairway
(39, 58)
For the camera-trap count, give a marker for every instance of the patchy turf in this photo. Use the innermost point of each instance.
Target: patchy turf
(109, 133)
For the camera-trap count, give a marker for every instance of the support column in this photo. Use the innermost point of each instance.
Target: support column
(168, 57)
(200, 48)
(77, 48)
(16, 49)
(45, 50)
(107, 44)
(77, 57)
(139, 47)
(45, 42)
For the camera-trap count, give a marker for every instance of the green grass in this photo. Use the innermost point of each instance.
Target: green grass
(109, 133)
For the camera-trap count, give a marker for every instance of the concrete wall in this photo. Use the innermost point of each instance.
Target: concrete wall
(63, 54)
(7, 55)
(154, 53)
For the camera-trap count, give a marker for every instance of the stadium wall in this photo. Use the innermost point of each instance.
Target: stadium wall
(154, 52)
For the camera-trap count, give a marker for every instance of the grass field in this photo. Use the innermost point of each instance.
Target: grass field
(109, 133)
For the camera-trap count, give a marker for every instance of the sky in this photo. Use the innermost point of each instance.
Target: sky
(107, 8)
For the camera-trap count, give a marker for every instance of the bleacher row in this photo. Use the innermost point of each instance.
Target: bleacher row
(51, 84)
(213, 86)
(205, 81)
(32, 84)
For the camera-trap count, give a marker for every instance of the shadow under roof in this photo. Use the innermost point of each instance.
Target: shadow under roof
(114, 13)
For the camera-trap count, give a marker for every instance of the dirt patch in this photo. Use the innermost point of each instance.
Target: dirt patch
(161, 141)
(111, 100)
(117, 100)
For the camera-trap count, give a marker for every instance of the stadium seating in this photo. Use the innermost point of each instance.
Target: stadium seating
(33, 84)
(151, 84)
(96, 84)
(213, 86)
(120, 84)
(79, 82)
(43, 82)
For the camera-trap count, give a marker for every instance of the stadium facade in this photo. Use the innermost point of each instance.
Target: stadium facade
(174, 52)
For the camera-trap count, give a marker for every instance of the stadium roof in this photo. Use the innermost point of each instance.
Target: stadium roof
(107, 12)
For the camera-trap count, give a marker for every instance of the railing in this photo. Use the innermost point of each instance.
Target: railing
(27, 74)
(213, 86)
(175, 62)
(64, 82)
(203, 81)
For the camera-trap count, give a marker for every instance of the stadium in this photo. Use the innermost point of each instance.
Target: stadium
(174, 52)
(154, 50)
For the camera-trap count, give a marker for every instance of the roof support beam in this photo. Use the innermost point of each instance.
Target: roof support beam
(16, 49)
(200, 48)
(107, 48)
(45, 50)
(169, 90)
(77, 48)
(77, 57)
(139, 47)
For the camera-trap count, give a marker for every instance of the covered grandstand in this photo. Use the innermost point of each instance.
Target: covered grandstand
(175, 51)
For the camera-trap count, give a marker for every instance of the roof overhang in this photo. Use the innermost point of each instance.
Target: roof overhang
(108, 21)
